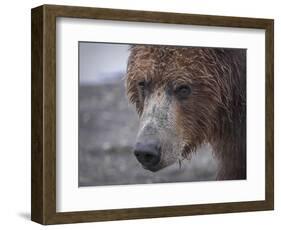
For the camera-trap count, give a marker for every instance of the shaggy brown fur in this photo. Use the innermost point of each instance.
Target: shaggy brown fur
(214, 112)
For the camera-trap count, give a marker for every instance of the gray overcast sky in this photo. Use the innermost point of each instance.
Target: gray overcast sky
(99, 61)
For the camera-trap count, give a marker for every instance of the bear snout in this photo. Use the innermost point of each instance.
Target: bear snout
(148, 153)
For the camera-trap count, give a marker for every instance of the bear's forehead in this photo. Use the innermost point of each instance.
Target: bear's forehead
(162, 61)
(164, 53)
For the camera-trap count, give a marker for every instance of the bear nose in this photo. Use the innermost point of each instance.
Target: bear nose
(148, 153)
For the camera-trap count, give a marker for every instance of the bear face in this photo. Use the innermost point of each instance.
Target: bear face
(183, 97)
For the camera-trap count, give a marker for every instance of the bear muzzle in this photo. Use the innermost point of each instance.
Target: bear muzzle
(148, 153)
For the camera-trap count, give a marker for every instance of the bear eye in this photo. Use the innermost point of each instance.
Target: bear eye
(142, 86)
(183, 91)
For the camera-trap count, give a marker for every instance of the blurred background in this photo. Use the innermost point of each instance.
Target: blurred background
(108, 126)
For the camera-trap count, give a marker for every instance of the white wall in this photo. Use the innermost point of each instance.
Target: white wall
(15, 113)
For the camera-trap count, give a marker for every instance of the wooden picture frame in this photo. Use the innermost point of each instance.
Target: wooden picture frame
(43, 160)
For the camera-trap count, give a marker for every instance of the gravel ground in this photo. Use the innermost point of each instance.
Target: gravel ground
(107, 131)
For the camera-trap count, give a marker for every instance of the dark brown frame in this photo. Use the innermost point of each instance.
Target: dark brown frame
(43, 160)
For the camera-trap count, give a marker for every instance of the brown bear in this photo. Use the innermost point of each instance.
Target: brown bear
(187, 97)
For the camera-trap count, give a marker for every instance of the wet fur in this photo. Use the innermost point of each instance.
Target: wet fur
(215, 113)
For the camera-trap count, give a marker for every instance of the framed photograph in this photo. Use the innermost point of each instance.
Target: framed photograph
(141, 114)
